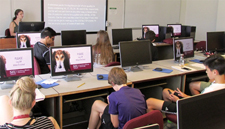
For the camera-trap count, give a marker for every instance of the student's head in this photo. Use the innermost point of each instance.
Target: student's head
(117, 76)
(215, 64)
(18, 14)
(150, 35)
(145, 29)
(103, 38)
(48, 34)
(179, 45)
(22, 95)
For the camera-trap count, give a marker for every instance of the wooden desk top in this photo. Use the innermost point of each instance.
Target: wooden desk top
(6, 43)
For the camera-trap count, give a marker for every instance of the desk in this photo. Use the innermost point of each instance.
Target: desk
(60, 98)
(6, 43)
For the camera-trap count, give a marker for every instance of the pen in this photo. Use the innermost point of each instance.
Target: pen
(80, 85)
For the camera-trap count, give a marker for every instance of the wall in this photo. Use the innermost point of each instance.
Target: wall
(207, 15)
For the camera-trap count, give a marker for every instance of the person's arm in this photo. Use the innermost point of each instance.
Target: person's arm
(49, 66)
(11, 29)
(54, 122)
(114, 120)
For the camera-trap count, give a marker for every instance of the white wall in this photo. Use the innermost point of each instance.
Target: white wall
(207, 15)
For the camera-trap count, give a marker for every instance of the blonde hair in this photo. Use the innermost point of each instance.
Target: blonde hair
(23, 93)
(103, 47)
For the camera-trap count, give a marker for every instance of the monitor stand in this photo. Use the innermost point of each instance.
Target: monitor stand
(70, 78)
(135, 68)
(7, 84)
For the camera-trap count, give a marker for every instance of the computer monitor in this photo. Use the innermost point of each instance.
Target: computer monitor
(188, 31)
(183, 46)
(119, 35)
(31, 26)
(153, 27)
(205, 111)
(215, 41)
(15, 63)
(71, 60)
(27, 39)
(164, 33)
(134, 53)
(176, 29)
(73, 37)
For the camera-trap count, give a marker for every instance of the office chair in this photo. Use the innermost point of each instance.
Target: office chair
(151, 117)
(7, 32)
(37, 69)
(201, 46)
(112, 64)
(172, 117)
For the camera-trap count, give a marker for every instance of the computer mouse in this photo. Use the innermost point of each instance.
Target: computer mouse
(100, 77)
(158, 69)
(39, 86)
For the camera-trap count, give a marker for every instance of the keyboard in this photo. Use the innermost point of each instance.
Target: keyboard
(115, 47)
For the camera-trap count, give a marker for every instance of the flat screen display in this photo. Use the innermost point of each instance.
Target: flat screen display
(205, 111)
(176, 29)
(73, 37)
(119, 35)
(31, 26)
(215, 41)
(27, 39)
(134, 53)
(183, 46)
(74, 59)
(154, 28)
(16, 63)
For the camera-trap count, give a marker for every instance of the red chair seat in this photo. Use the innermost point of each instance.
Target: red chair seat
(172, 117)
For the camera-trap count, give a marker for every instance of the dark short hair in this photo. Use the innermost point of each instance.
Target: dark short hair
(48, 31)
(150, 35)
(215, 62)
(117, 76)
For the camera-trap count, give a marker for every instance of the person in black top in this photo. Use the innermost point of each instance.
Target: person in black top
(150, 35)
(41, 50)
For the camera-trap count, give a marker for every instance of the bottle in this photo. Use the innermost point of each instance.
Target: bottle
(181, 61)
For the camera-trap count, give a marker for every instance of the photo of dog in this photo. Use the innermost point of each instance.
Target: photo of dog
(2, 67)
(24, 41)
(61, 61)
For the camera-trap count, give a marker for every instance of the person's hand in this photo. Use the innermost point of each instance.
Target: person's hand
(181, 94)
(173, 98)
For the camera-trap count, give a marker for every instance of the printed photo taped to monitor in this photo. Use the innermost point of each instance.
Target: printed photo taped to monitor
(183, 46)
(27, 39)
(153, 27)
(134, 53)
(73, 59)
(15, 63)
(176, 29)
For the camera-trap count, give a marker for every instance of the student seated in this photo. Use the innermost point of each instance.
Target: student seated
(215, 69)
(16, 108)
(124, 104)
(41, 50)
(102, 52)
(150, 35)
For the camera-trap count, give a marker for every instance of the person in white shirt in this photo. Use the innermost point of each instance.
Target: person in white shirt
(215, 69)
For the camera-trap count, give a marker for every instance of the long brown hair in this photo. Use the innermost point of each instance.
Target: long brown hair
(103, 47)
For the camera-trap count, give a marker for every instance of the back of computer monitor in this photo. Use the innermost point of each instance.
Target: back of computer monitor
(119, 35)
(205, 111)
(73, 37)
(163, 33)
(215, 41)
(31, 26)
(193, 32)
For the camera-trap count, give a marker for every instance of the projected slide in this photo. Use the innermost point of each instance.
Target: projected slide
(87, 15)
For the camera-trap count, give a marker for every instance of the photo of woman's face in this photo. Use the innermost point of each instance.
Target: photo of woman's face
(178, 46)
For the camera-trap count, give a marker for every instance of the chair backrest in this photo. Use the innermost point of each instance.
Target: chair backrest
(171, 117)
(201, 46)
(7, 32)
(112, 64)
(151, 117)
(37, 69)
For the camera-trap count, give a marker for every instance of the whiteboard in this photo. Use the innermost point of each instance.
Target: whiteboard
(162, 12)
